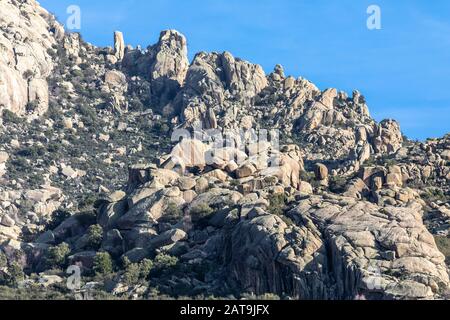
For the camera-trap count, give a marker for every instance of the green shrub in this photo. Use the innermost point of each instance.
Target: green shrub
(131, 274)
(58, 217)
(173, 214)
(54, 112)
(95, 236)
(3, 260)
(434, 195)
(370, 162)
(88, 114)
(32, 106)
(164, 263)
(136, 272)
(103, 264)
(77, 73)
(14, 275)
(136, 104)
(277, 204)
(56, 257)
(28, 74)
(307, 176)
(10, 117)
(161, 127)
(201, 212)
(32, 152)
(390, 162)
(337, 184)
(443, 244)
(125, 262)
(145, 267)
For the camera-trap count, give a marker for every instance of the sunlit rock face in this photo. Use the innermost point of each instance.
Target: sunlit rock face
(28, 34)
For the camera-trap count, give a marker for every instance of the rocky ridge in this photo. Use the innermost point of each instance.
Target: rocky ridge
(337, 207)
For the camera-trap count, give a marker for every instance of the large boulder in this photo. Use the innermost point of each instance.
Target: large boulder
(119, 45)
(167, 238)
(190, 153)
(29, 33)
(388, 138)
(321, 172)
(268, 256)
(149, 210)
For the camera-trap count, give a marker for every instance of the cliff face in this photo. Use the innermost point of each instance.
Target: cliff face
(337, 207)
(27, 32)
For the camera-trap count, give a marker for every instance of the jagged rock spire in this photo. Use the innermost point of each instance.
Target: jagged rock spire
(119, 45)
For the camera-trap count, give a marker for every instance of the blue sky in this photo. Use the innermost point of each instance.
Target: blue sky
(402, 69)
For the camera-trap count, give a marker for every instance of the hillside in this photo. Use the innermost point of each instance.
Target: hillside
(164, 178)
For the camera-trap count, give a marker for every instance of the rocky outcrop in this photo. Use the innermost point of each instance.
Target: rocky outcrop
(219, 91)
(388, 137)
(378, 252)
(338, 248)
(42, 202)
(326, 247)
(119, 45)
(267, 255)
(164, 64)
(170, 63)
(211, 81)
(28, 33)
(336, 212)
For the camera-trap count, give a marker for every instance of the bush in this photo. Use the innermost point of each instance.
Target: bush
(307, 176)
(337, 184)
(135, 272)
(10, 117)
(56, 257)
(28, 74)
(201, 212)
(370, 162)
(54, 112)
(162, 127)
(32, 152)
(14, 275)
(58, 217)
(136, 104)
(145, 267)
(32, 106)
(88, 114)
(87, 202)
(3, 260)
(443, 244)
(131, 274)
(434, 195)
(77, 73)
(164, 263)
(173, 214)
(103, 264)
(277, 204)
(95, 236)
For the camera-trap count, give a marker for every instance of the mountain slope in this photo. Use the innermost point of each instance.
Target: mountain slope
(333, 205)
